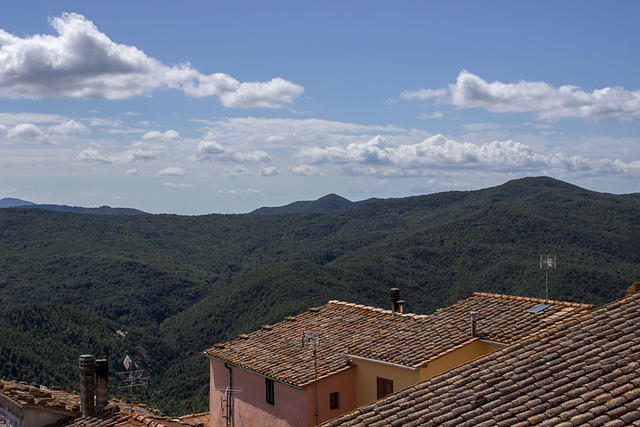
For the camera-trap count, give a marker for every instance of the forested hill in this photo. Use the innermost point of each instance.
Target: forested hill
(162, 288)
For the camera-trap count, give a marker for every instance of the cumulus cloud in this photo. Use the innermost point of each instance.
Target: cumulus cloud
(305, 170)
(375, 158)
(40, 133)
(170, 135)
(545, 101)
(268, 171)
(365, 152)
(237, 171)
(70, 128)
(82, 62)
(27, 132)
(171, 171)
(207, 149)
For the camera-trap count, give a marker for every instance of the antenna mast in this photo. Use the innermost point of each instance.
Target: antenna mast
(311, 339)
(547, 262)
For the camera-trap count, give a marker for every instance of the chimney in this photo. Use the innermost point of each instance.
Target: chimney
(474, 318)
(87, 404)
(397, 305)
(102, 384)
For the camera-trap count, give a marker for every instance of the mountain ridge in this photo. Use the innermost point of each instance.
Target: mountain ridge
(10, 203)
(179, 284)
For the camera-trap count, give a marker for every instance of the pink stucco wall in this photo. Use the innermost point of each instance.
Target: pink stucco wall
(293, 406)
(249, 406)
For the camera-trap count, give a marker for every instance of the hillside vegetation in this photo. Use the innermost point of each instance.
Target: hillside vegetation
(163, 288)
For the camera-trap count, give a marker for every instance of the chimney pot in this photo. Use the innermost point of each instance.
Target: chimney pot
(87, 369)
(394, 296)
(102, 384)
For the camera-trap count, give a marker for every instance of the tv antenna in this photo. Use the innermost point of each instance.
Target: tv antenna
(311, 339)
(135, 377)
(547, 262)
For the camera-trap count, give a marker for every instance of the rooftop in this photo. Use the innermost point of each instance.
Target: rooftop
(585, 371)
(411, 340)
(117, 414)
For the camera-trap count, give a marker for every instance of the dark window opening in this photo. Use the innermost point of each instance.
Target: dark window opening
(334, 400)
(269, 391)
(385, 387)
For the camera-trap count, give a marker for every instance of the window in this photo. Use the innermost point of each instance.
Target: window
(269, 391)
(385, 387)
(334, 400)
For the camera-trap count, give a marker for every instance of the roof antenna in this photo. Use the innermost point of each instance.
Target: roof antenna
(547, 262)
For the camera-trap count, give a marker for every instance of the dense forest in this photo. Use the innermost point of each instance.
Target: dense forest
(163, 288)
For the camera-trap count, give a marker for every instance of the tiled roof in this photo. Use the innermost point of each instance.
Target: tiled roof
(411, 340)
(585, 371)
(27, 394)
(113, 417)
(131, 415)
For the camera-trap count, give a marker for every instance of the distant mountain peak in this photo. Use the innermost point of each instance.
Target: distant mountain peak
(10, 202)
(325, 204)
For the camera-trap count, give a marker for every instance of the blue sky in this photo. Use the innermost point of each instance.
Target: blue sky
(200, 107)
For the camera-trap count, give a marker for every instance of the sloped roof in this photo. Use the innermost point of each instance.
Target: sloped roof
(116, 418)
(410, 340)
(24, 394)
(35, 396)
(585, 371)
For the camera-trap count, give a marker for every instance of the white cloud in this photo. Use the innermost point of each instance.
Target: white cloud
(177, 185)
(16, 118)
(239, 192)
(272, 94)
(237, 171)
(27, 132)
(255, 156)
(422, 94)
(545, 101)
(364, 152)
(82, 62)
(172, 171)
(69, 128)
(170, 135)
(269, 171)
(96, 154)
(375, 158)
(305, 170)
(208, 149)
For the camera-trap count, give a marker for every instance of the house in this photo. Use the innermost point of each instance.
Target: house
(313, 367)
(27, 405)
(584, 371)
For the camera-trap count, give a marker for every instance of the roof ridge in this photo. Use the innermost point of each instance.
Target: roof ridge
(375, 309)
(532, 299)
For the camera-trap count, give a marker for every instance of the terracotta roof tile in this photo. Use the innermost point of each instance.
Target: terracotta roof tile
(406, 339)
(583, 375)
